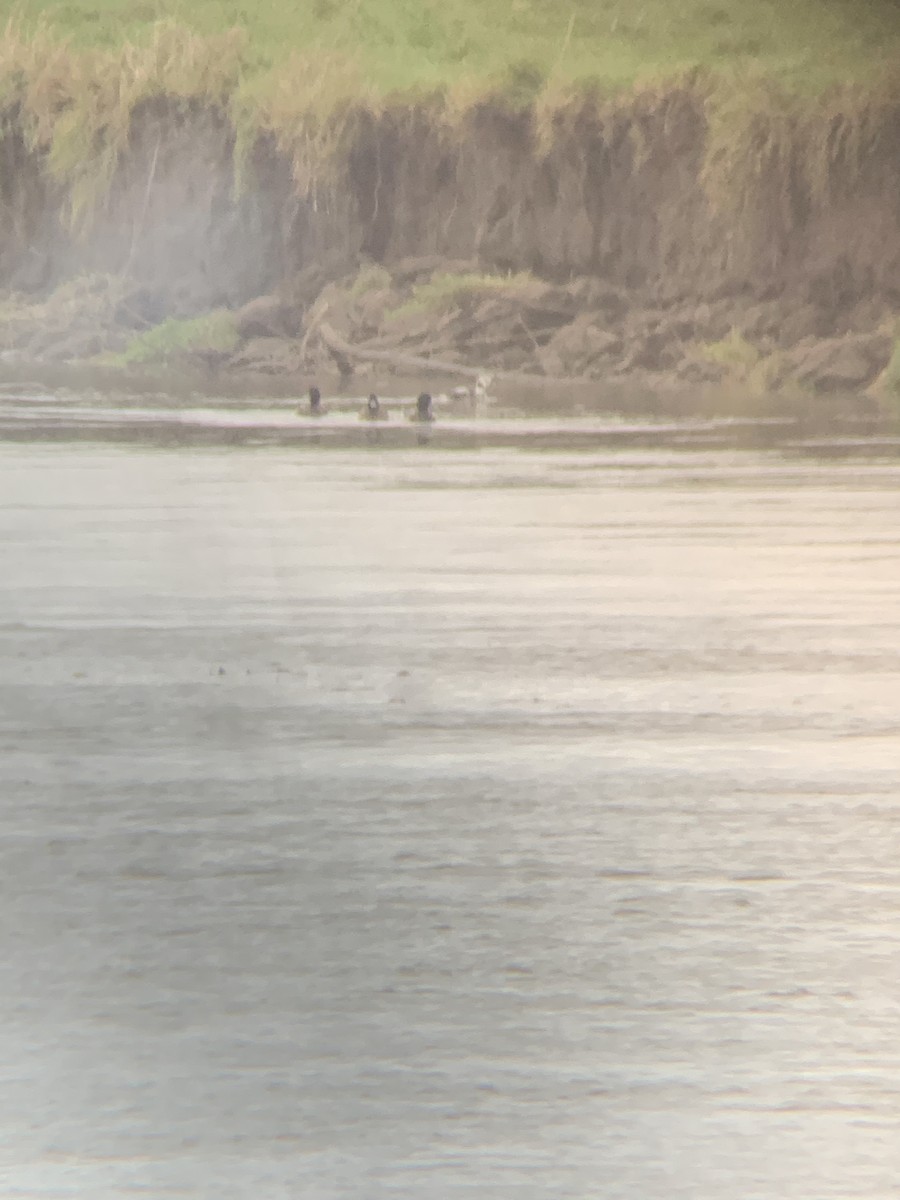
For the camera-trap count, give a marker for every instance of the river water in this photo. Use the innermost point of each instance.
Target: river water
(497, 820)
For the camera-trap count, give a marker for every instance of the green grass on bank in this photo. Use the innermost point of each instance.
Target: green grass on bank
(397, 45)
(211, 333)
(444, 291)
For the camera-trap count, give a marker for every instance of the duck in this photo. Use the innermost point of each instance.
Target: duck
(315, 403)
(423, 408)
(372, 410)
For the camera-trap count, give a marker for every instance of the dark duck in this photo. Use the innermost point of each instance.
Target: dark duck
(423, 408)
(315, 402)
(373, 410)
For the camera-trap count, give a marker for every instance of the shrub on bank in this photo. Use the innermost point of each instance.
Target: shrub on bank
(211, 334)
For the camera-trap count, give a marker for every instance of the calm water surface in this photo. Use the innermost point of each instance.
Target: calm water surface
(428, 823)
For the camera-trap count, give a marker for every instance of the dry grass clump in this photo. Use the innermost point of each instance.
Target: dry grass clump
(76, 106)
(767, 143)
(311, 105)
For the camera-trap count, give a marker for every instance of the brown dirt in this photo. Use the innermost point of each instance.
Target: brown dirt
(635, 268)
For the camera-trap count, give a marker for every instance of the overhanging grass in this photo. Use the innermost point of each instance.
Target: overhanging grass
(76, 105)
(310, 71)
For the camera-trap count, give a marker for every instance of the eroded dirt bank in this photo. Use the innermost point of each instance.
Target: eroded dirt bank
(640, 238)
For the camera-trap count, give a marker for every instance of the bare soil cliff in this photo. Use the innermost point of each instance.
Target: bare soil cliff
(655, 239)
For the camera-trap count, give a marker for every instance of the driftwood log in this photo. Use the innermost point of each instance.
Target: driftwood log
(343, 351)
(345, 354)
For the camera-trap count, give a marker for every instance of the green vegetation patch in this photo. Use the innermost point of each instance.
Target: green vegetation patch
(175, 338)
(445, 291)
(732, 351)
(746, 364)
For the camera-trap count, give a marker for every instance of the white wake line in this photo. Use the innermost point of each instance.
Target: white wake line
(267, 420)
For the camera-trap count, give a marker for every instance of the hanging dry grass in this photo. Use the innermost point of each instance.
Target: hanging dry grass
(766, 142)
(76, 106)
(311, 105)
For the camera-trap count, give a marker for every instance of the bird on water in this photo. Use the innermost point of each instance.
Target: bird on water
(372, 411)
(423, 408)
(315, 402)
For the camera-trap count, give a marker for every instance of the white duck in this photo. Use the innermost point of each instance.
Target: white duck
(476, 393)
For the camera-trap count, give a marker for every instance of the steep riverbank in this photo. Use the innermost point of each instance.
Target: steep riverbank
(666, 235)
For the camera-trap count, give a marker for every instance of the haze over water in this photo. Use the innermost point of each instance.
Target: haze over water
(428, 822)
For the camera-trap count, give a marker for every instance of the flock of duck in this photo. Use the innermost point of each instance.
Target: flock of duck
(374, 410)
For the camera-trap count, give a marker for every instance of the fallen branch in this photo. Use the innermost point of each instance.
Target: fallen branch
(415, 362)
(412, 362)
